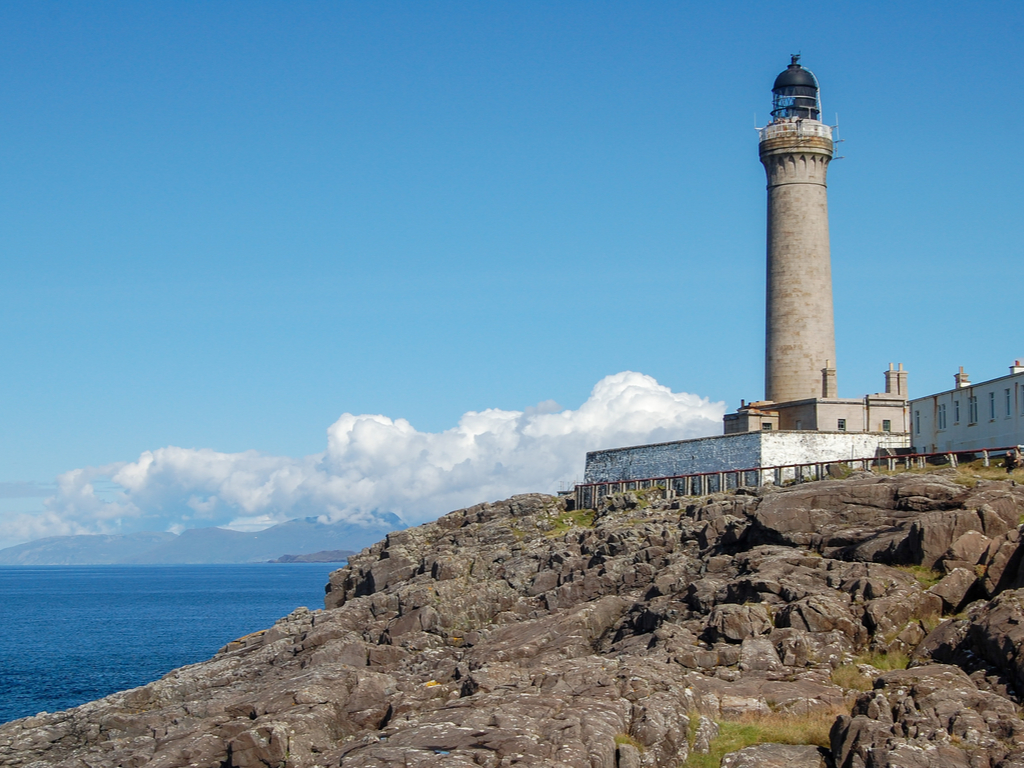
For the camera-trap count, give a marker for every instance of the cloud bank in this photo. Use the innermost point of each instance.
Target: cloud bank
(372, 464)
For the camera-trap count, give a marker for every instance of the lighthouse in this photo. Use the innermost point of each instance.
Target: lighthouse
(801, 421)
(800, 390)
(795, 149)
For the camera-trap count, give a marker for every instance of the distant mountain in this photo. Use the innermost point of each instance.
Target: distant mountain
(200, 545)
(328, 556)
(83, 550)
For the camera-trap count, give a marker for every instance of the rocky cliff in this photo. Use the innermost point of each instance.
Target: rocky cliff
(872, 621)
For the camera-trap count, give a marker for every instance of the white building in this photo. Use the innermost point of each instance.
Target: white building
(970, 416)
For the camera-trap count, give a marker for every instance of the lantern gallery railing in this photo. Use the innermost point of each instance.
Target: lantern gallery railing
(589, 495)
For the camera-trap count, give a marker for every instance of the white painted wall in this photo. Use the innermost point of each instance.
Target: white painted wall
(746, 450)
(806, 447)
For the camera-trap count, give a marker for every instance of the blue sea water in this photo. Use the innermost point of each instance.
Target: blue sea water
(71, 634)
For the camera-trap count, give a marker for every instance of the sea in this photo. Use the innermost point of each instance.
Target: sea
(71, 634)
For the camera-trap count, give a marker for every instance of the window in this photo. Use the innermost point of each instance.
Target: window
(941, 415)
(766, 426)
(886, 425)
(991, 405)
(917, 422)
(1009, 410)
(972, 410)
(842, 425)
(956, 411)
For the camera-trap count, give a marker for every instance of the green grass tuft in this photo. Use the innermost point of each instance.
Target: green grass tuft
(774, 728)
(926, 577)
(564, 521)
(625, 738)
(884, 661)
(849, 677)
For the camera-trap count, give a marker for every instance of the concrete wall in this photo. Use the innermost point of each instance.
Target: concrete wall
(862, 415)
(823, 414)
(741, 451)
(965, 434)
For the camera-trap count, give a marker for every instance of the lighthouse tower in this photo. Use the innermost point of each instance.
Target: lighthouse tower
(802, 421)
(795, 148)
(800, 342)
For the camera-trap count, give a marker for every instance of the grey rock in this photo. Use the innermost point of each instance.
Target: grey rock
(927, 716)
(707, 731)
(735, 623)
(968, 548)
(954, 589)
(758, 654)
(504, 634)
(777, 756)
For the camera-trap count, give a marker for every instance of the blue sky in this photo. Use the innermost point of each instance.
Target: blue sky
(224, 225)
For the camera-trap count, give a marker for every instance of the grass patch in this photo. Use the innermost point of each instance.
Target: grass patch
(967, 474)
(773, 728)
(625, 738)
(692, 726)
(995, 470)
(564, 521)
(848, 676)
(884, 661)
(926, 577)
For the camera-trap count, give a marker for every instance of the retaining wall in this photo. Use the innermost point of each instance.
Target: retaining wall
(740, 451)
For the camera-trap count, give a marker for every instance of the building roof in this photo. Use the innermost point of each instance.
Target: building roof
(795, 75)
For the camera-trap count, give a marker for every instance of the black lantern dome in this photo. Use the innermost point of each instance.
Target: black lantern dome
(795, 93)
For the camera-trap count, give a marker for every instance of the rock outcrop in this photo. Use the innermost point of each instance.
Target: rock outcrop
(526, 633)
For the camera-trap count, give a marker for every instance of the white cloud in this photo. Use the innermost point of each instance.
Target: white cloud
(375, 464)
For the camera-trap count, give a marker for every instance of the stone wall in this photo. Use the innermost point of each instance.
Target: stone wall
(683, 457)
(740, 451)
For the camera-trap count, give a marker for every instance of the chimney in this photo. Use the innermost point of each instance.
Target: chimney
(896, 381)
(829, 388)
(962, 379)
(1017, 367)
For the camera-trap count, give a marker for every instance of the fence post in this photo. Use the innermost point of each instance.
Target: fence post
(985, 458)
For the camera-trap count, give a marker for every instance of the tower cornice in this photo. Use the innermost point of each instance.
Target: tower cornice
(785, 136)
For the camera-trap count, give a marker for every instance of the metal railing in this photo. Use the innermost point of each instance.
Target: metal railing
(589, 495)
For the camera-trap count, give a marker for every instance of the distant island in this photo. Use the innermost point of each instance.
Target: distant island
(296, 541)
(326, 556)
